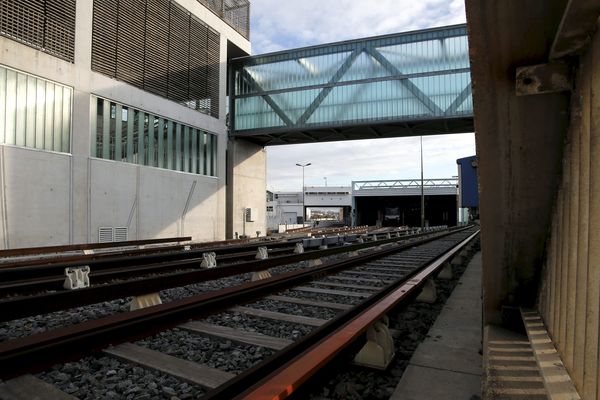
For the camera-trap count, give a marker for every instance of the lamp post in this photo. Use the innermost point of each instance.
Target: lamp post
(303, 209)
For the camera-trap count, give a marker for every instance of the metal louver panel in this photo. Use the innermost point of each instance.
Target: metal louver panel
(213, 71)
(198, 63)
(120, 234)
(179, 54)
(59, 37)
(104, 37)
(105, 234)
(130, 44)
(48, 25)
(157, 47)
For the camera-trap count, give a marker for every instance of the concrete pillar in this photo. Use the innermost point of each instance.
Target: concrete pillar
(246, 187)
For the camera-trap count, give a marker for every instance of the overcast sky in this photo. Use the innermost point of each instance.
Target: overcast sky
(278, 25)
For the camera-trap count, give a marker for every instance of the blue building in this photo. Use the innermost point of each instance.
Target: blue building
(468, 188)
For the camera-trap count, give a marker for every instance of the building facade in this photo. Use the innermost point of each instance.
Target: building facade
(113, 115)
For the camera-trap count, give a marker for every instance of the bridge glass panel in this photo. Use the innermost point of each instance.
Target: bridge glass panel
(415, 76)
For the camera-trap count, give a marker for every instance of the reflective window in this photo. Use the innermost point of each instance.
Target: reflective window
(126, 134)
(34, 112)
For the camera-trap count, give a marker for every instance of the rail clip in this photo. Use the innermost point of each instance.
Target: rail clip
(209, 260)
(77, 277)
(299, 248)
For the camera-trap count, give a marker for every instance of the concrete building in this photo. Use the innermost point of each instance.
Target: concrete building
(113, 115)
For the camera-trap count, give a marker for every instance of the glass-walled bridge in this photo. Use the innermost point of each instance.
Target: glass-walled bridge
(407, 84)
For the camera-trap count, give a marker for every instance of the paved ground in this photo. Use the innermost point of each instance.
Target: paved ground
(448, 364)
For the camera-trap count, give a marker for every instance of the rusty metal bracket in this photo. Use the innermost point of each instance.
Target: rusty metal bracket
(543, 78)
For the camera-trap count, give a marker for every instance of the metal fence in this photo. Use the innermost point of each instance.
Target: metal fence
(235, 12)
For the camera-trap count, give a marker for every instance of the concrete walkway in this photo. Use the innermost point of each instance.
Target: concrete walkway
(448, 364)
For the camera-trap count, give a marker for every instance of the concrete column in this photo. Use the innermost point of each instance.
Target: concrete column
(81, 128)
(246, 180)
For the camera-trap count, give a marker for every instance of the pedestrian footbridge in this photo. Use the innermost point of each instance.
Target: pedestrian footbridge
(407, 84)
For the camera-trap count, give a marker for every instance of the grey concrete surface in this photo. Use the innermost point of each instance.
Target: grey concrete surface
(448, 364)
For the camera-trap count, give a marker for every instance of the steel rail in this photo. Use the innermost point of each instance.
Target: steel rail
(36, 352)
(63, 258)
(20, 307)
(303, 359)
(88, 246)
(25, 269)
(55, 282)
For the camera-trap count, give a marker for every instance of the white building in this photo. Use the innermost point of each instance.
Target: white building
(286, 208)
(113, 114)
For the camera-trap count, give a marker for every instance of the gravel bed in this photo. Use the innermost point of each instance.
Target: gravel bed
(195, 289)
(250, 323)
(362, 282)
(352, 274)
(108, 378)
(216, 353)
(323, 285)
(322, 297)
(295, 309)
(41, 323)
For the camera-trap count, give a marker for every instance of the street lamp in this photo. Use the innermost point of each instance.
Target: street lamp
(303, 209)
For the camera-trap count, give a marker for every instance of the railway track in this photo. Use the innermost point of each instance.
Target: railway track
(115, 278)
(324, 300)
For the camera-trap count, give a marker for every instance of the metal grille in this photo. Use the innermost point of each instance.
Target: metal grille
(179, 54)
(48, 25)
(105, 234)
(213, 71)
(158, 46)
(104, 37)
(130, 45)
(120, 233)
(199, 63)
(235, 12)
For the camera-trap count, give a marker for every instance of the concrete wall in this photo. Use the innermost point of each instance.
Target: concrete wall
(539, 174)
(519, 146)
(246, 185)
(52, 198)
(570, 295)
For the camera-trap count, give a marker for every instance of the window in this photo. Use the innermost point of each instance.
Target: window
(269, 208)
(126, 134)
(34, 112)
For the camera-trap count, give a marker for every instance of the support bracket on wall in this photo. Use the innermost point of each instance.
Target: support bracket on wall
(543, 78)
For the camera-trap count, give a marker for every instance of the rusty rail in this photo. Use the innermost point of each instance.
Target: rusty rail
(88, 246)
(21, 307)
(303, 359)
